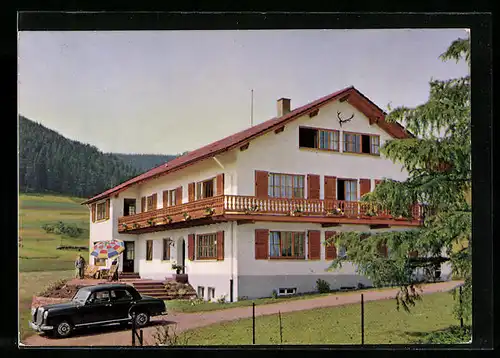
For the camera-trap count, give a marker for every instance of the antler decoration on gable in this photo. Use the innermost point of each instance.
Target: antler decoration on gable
(344, 120)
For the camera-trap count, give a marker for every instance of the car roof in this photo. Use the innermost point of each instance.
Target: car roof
(109, 286)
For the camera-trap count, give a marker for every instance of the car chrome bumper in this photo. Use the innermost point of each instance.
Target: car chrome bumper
(40, 328)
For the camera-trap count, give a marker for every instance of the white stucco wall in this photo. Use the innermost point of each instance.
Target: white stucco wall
(200, 171)
(206, 273)
(108, 229)
(256, 274)
(280, 153)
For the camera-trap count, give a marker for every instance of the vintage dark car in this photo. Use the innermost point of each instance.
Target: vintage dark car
(96, 306)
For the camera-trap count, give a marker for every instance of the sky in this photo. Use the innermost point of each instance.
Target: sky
(166, 92)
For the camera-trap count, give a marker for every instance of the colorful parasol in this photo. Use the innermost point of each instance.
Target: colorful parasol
(108, 249)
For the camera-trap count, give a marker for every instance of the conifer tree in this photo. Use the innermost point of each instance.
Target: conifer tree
(437, 158)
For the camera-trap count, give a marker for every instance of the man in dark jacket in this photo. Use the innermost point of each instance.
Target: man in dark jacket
(79, 266)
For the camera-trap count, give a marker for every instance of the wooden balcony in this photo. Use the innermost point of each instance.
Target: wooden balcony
(249, 209)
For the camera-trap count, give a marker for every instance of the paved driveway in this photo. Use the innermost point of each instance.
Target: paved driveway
(113, 336)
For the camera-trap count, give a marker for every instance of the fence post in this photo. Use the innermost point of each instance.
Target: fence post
(253, 322)
(281, 328)
(141, 338)
(133, 329)
(461, 308)
(362, 320)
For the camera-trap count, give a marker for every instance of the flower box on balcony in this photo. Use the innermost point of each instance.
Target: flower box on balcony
(209, 211)
(335, 212)
(252, 209)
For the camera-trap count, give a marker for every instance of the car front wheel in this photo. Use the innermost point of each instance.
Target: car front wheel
(141, 319)
(63, 329)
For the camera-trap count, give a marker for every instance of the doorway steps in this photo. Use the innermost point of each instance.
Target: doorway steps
(165, 290)
(129, 275)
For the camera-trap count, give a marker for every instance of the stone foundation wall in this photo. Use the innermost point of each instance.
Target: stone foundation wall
(38, 301)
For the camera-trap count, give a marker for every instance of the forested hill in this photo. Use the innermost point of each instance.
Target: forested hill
(49, 162)
(144, 162)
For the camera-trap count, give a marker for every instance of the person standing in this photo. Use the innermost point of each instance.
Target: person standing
(79, 265)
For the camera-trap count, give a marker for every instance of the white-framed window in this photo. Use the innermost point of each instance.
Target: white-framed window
(205, 189)
(287, 291)
(374, 144)
(211, 293)
(101, 211)
(171, 197)
(206, 246)
(149, 250)
(351, 190)
(352, 142)
(328, 139)
(201, 291)
(286, 244)
(285, 186)
(166, 250)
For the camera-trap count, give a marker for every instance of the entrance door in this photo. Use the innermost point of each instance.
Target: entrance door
(129, 256)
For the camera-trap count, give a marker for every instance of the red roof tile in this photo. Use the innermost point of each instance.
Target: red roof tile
(241, 138)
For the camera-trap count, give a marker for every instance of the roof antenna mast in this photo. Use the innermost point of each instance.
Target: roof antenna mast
(251, 111)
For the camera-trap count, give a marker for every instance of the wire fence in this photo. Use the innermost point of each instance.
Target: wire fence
(359, 324)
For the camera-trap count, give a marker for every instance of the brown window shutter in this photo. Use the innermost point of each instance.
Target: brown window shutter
(191, 247)
(330, 250)
(364, 186)
(178, 196)
(191, 192)
(165, 198)
(220, 245)
(314, 245)
(261, 184)
(143, 204)
(330, 188)
(93, 212)
(108, 207)
(220, 184)
(155, 201)
(261, 244)
(312, 186)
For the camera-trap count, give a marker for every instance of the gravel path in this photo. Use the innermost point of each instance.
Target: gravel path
(114, 336)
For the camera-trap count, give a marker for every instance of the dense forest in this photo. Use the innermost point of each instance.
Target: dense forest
(49, 162)
(143, 162)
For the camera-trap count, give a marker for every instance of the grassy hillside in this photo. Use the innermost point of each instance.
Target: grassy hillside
(39, 251)
(50, 162)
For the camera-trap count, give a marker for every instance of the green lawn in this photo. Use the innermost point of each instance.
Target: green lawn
(40, 263)
(31, 283)
(185, 306)
(39, 251)
(384, 324)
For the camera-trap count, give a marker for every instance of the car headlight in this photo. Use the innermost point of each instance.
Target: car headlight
(45, 314)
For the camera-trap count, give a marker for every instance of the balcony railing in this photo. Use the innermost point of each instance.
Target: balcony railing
(249, 205)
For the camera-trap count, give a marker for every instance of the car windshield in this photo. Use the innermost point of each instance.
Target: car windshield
(81, 296)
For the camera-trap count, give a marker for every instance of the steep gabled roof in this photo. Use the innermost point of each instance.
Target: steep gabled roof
(356, 98)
